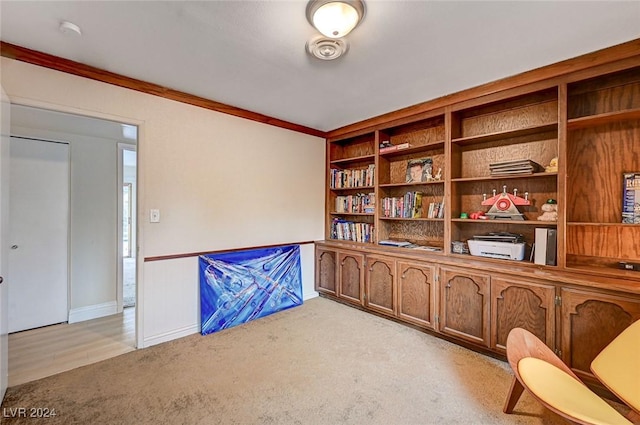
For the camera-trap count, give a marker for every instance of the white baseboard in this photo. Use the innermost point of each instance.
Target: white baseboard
(171, 335)
(89, 312)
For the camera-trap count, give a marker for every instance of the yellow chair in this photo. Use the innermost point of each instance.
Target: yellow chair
(552, 382)
(618, 366)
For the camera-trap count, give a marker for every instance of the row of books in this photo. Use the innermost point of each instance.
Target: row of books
(361, 177)
(358, 203)
(522, 166)
(436, 210)
(351, 231)
(409, 206)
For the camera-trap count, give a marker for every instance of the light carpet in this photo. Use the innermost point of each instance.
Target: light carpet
(320, 363)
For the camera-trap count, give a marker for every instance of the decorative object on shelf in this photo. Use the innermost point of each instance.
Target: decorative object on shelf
(631, 198)
(458, 247)
(504, 205)
(464, 215)
(549, 211)
(438, 175)
(419, 170)
(520, 166)
(478, 215)
(385, 144)
(552, 167)
(626, 265)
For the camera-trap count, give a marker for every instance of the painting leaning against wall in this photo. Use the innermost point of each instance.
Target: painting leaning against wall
(237, 287)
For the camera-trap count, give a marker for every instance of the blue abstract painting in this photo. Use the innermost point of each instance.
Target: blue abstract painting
(237, 287)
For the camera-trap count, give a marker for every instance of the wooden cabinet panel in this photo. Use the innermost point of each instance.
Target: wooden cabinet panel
(590, 321)
(326, 271)
(380, 284)
(464, 305)
(528, 305)
(351, 276)
(416, 293)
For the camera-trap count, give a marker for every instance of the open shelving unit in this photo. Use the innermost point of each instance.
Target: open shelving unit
(591, 125)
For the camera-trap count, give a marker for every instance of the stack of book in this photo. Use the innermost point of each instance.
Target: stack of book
(363, 177)
(520, 166)
(436, 210)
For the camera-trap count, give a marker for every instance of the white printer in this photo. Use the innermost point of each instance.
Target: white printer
(503, 245)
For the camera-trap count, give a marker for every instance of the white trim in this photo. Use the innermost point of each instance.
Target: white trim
(121, 147)
(171, 335)
(95, 311)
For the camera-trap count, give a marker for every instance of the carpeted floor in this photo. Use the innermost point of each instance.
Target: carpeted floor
(320, 363)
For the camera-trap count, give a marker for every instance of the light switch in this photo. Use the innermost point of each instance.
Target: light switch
(154, 216)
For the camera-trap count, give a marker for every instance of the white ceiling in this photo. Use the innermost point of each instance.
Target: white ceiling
(251, 54)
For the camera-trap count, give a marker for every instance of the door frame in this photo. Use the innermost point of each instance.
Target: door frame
(5, 127)
(119, 269)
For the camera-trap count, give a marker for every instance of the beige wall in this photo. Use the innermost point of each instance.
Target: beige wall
(219, 181)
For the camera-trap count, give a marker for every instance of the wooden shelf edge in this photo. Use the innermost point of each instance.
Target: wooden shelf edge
(348, 213)
(519, 222)
(391, 185)
(411, 219)
(463, 141)
(352, 188)
(588, 224)
(353, 159)
(605, 118)
(493, 178)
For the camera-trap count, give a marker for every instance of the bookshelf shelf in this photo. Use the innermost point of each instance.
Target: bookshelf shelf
(347, 161)
(589, 224)
(352, 189)
(510, 222)
(505, 177)
(604, 118)
(347, 213)
(411, 219)
(410, 185)
(508, 134)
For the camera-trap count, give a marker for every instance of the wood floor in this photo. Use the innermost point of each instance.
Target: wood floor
(46, 351)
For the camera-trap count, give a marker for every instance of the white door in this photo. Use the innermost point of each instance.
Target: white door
(38, 235)
(4, 240)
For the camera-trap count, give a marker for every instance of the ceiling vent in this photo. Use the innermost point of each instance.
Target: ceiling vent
(327, 48)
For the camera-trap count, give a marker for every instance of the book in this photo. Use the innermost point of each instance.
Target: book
(393, 148)
(631, 198)
(394, 243)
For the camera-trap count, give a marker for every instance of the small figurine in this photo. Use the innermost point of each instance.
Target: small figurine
(553, 166)
(549, 211)
(439, 175)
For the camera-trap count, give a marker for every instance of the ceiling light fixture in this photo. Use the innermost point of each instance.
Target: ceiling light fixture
(335, 19)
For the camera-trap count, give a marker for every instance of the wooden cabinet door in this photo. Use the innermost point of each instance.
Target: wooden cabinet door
(416, 293)
(520, 304)
(380, 294)
(351, 276)
(464, 304)
(326, 277)
(590, 321)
